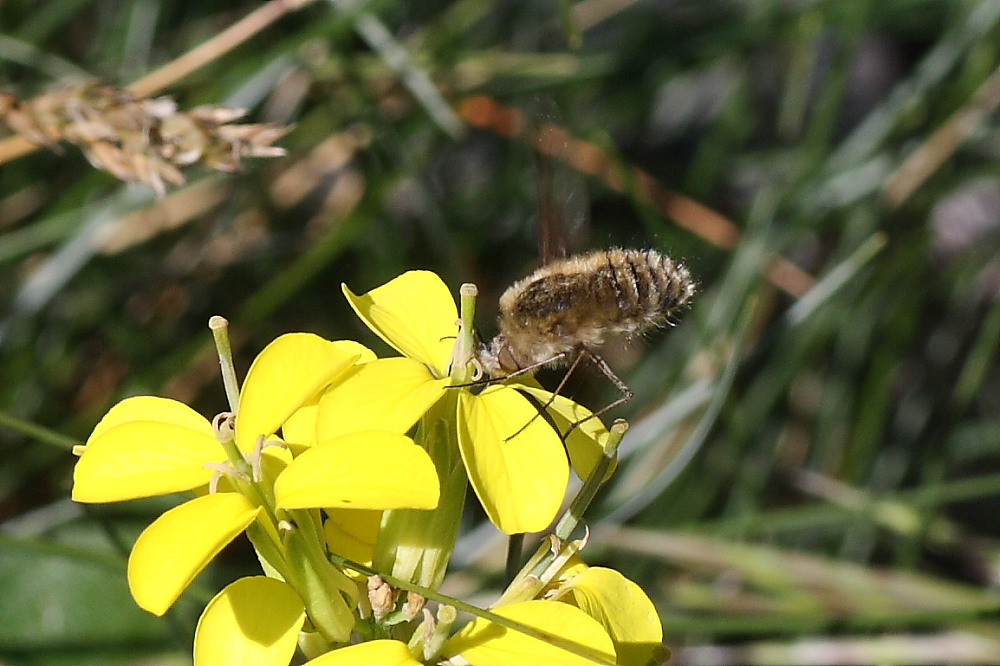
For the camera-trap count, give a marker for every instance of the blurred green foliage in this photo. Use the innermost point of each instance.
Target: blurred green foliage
(814, 448)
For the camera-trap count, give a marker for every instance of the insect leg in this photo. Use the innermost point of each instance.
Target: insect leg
(613, 378)
(626, 393)
(569, 372)
(548, 403)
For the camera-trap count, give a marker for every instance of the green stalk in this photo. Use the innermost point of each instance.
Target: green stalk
(552, 554)
(220, 331)
(574, 514)
(416, 545)
(321, 585)
(465, 344)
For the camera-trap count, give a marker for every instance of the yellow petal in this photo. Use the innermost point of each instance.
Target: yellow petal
(152, 408)
(274, 460)
(623, 608)
(351, 533)
(389, 394)
(352, 348)
(365, 470)
(520, 481)
(585, 443)
(483, 643)
(373, 653)
(143, 459)
(252, 622)
(299, 430)
(415, 314)
(286, 375)
(177, 546)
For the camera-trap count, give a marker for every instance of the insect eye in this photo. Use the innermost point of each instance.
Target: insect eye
(505, 357)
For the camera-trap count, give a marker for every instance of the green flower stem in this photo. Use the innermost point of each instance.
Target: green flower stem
(220, 331)
(324, 588)
(269, 524)
(541, 569)
(260, 494)
(526, 586)
(252, 489)
(235, 456)
(554, 553)
(416, 545)
(432, 647)
(270, 550)
(264, 533)
(38, 433)
(465, 344)
(569, 520)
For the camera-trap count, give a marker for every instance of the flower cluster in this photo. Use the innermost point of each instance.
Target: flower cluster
(140, 140)
(349, 473)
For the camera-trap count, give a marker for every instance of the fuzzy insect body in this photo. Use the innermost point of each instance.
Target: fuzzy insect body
(572, 306)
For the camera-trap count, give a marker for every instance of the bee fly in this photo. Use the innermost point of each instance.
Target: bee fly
(566, 310)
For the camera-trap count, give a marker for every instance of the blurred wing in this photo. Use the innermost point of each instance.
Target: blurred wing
(563, 213)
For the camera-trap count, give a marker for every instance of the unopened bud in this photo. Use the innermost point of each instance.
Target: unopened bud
(414, 604)
(381, 596)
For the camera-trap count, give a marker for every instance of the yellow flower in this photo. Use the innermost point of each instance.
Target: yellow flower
(514, 460)
(351, 533)
(148, 446)
(483, 643)
(254, 620)
(622, 608)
